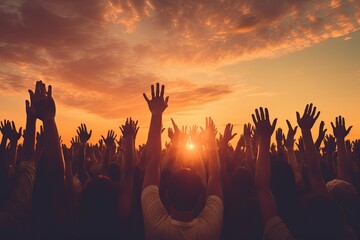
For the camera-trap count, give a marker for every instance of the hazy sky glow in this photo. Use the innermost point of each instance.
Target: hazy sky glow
(220, 58)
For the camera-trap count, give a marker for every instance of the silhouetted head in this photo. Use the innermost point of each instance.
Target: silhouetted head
(241, 184)
(240, 206)
(348, 199)
(98, 208)
(184, 190)
(283, 185)
(114, 172)
(322, 218)
(284, 189)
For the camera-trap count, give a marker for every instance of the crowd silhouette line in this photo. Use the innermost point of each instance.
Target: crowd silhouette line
(197, 186)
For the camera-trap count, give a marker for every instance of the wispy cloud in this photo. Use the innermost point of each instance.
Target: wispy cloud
(100, 54)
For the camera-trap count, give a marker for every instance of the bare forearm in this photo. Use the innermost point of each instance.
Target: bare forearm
(343, 168)
(214, 184)
(249, 157)
(293, 163)
(108, 157)
(130, 156)
(153, 152)
(330, 164)
(314, 169)
(318, 143)
(52, 150)
(310, 152)
(153, 144)
(3, 145)
(262, 175)
(29, 140)
(13, 153)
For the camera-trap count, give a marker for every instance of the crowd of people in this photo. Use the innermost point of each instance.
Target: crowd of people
(198, 186)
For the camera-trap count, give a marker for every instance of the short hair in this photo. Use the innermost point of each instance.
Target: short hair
(322, 218)
(184, 190)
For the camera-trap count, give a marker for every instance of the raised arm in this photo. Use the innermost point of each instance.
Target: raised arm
(214, 182)
(340, 132)
(29, 137)
(14, 137)
(306, 122)
(4, 158)
(329, 152)
(249, 155)
(129, 131)
(289, 144)
(84, 137)
(321, 135)
(157, 105)
(279, 144)
(45, 111)
(110, 150)
(225, 159)
(264, 130)
(174, 135)
(50, 180)
(18, 203)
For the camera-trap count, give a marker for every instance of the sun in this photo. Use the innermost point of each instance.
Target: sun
(190, 146)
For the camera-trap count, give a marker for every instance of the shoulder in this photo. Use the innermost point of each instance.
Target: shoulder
(275, 228)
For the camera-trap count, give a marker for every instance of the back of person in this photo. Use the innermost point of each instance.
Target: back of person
(183, 193)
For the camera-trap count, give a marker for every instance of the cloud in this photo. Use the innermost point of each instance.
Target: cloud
(217, 31)
(102, 55)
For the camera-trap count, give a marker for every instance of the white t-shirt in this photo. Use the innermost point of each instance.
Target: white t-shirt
(159, 224)
(276, 229)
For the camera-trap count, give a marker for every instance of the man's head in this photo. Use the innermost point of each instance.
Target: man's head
(184, 190)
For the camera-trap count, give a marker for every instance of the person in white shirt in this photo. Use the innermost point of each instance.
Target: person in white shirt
(184, 189)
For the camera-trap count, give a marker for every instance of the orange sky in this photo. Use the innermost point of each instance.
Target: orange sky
(220, 58)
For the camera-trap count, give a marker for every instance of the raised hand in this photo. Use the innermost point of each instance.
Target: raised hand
(290, 138)
(300, 145)
(279, 137)
(273, 149)
(193, 131)
(43, 104)
(291, 157)
(262, 123)
(157, 104)
(67, 154)
(171, 133)
(321, 135)
(10, 132)
(228, 133)
(340, 132)
(356, 147)
(210, 132)
(306, 122)
(247, 133)
(40, 136)
(110, 138)
(129, 129)
(3, 125)
(329, 143)
(75, 142)
(83, 134)
(242, 141)
(121, 144)
(322, 131)
(29, 106)
(174, 135)
(101, 142)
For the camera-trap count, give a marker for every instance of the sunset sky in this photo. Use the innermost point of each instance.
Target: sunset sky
(219, 58)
